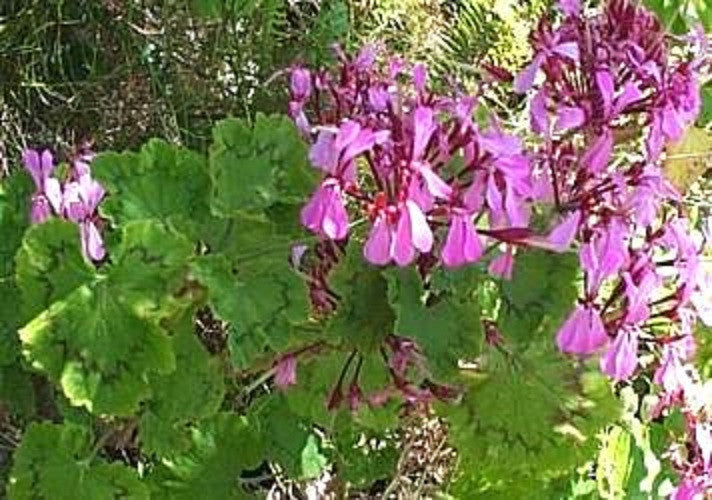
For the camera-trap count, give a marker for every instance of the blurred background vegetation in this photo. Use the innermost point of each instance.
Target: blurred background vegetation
(119, 71)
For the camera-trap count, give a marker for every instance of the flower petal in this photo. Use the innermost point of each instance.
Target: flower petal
(377, 249)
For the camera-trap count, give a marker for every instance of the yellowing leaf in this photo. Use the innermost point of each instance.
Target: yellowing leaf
(688, 158)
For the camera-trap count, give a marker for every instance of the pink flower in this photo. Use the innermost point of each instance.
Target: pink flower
(47, 198)
(325, 212)
(92, 242)
(582, 332)
(423, 127)
(503, 265)
(300, 84)
(638, 294)
(81, 199)
(538, 115)
(596, 158)
(398, 240)
(688, 490)
(378, 247)
(571, 8)
(323, 154)
(569, 117)
(463, 245)
(420, 77)
(296, 112)
(525, 79)
(621, 359)
(41, 209)
(564, 233)
(285, 373)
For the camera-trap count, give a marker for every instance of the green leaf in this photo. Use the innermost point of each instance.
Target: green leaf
(317, 377)
(263, 304)
(151, 263)
(703, 9)
(534, 417)
(15, 193)
(363, 317)
(706, 112)
(54, 461)
(221, 448)
(445, 325)
(254, 167)
(16, 392)
(50, 265)
(15, 196)
(215, 8)
(614, 463)
(101, 342)
(289, 439)
(193, 391)
(543, 290)
(162, 181)
(363, 455)
(10, 322)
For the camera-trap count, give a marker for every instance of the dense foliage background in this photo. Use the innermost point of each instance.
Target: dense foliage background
(190, 405)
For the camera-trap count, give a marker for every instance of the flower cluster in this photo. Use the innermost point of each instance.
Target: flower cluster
(604, 96)
(411, 162)
(602, 85)
(76, 199)
(681, 387)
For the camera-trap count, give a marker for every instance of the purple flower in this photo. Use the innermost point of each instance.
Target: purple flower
(353, 140)
(92, 242)
(434, 185)
(378, 98)
(568, 117)
(47, 198)
(637, 310)
(596, 158)
(671, 374)
(300, 84)
(582, 332)
(420, 77)
(39, 167)
(412, 232)
(571, 8)
(377, 249)
(325, 212)
(399, 240)
(285, 373)
(538, 115)
(80, 201)
(688, 490)
(564, 233)
(621, 359)
(334, 150)
(296, 112)
(525, 79)
(323, 154)
(463, 245)
(423, 127)
(40, 210)
(82, 161)
(366, 57)
(503, 265)
(611, 249)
